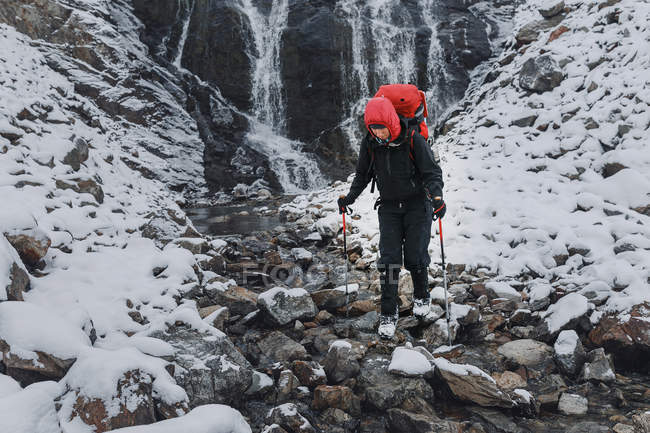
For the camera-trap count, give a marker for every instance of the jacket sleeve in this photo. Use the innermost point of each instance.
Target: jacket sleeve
(429, 170)
(361, 176)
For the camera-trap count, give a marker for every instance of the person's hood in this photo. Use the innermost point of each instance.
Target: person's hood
(380, 111)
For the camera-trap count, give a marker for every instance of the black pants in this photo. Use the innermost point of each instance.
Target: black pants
(405, 232)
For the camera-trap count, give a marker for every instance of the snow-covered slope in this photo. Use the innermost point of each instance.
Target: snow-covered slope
(543, 203)
(66, 180)
(546, 199)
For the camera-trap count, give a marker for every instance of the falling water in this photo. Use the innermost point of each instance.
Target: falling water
(437, 74)
(268, 101)
(386, 29)
(183, 5)
(296, 170)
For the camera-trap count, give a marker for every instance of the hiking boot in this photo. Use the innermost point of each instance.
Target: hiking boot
(425, 311)
(421, 307)
(387, 325)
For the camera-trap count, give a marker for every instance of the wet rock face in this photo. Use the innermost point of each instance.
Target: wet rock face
(216, 49)
(312, 61)
(316, 63)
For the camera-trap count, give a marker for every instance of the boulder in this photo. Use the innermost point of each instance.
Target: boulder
(520, 317)
(540, 74)
(165, 225)
(527, 352)
(209, 367)
(281, 306)
(341, 361)
(548, 389)
(331, 299)
(278, 347)
(31, 244)
(382, 390)
(469, 383)
(627, 340)
(310, 373)
(14, 280)
(569, 353)
(81, 186)
(531, 31)
(598, 367)
(286, 387)
(33, 353)
(132, 405)
(78, 153)
(240, 301)
(551, 8)
(572, 404)
(567, 313)
(408, 362)
(499, 289)
(111, 389)
(215, 315)
(436, 333)
(287, 416)
(402, 421)
(340, 397)
(509, 380)
(302, 256)
(261, 384)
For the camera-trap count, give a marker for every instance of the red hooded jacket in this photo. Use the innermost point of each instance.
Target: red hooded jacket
(380, 111)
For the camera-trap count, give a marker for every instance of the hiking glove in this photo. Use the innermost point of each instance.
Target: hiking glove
(343, 203)
(439, 208)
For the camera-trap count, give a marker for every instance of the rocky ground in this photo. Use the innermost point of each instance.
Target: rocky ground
(115, 312)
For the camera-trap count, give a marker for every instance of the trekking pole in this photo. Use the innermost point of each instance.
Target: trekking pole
(444, 276)
(345, 257)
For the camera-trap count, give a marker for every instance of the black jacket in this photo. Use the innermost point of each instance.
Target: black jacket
(398, 176)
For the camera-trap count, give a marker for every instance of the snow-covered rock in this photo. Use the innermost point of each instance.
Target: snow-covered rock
(14, 279)
(287, 416)
(209, 367)
(569, 353)
(36, 342)
(281, 306)
(210, 418)
(499, 289)
(341, 361)
(408, 362)
(121, 388)
(564, 312)
(472, 384)
(31, 410)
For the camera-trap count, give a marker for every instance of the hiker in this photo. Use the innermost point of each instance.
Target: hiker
(398, 158)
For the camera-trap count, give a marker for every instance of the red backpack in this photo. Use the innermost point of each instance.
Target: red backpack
(410, 104)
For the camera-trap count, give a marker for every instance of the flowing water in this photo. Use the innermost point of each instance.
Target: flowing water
(187, 8)
(296, 170)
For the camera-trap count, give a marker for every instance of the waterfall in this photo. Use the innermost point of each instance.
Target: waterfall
(296, 171)
(437, 74)
(387, 29)
(183, 5)
(268, 100)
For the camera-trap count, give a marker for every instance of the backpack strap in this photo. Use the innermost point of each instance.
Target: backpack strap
(371, 168)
